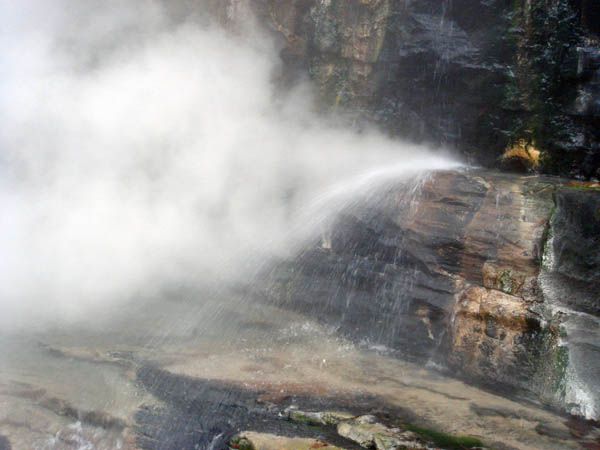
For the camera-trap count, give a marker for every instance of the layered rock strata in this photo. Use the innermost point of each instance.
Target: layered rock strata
(448, 272)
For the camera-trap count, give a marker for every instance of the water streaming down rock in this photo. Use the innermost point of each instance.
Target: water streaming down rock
(360, 272)
(569, 281)
(444, 270)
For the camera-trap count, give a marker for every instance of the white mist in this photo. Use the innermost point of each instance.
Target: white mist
(137, 152)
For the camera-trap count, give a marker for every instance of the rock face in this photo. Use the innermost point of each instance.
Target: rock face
(446, 271)
(479, 75)
(576, 234)
(570, 282)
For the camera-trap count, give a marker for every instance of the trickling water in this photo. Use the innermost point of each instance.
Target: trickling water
(581, 337)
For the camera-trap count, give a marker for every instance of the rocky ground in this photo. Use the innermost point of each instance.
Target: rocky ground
(282, 382)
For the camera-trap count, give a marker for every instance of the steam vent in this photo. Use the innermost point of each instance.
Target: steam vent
(300, 224)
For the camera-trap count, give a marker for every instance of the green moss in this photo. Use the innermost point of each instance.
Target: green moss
(445, 440)
(301, 418)
(561, 363)
(507, 284)
(241, 443)
(584, 187)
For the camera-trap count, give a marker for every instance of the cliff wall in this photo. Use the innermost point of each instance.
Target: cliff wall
(480, 76)
(490, 276)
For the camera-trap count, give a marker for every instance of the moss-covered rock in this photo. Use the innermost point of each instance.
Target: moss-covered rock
(317, 418)
(445, 440)
(367, 432)
(241, 442)
(506, 279)
(250, 440)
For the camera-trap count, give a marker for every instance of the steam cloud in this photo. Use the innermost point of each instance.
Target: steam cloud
(138, 151)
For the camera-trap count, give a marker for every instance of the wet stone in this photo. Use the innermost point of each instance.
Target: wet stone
(369, 433)
(318, 418)
(552, 431)
(249, 440)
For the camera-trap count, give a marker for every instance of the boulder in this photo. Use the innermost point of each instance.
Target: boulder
(317, 418)
(369, 433)
(249, 440)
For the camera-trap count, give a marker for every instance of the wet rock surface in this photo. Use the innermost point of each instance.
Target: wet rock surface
(570, 283)
(214, 414)
(264, 441)
(369, 433)
(576, 235)
(318, 418)
(204, 393)
(210, 413)
(478, 75)
(449, 274)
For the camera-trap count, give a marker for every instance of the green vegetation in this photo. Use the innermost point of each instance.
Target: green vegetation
(241, 443)
(445, 440)
(592, 187)
(561, 364)
(507, 283)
